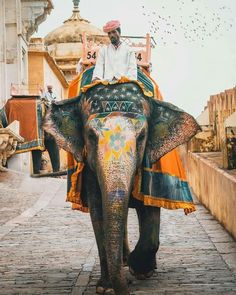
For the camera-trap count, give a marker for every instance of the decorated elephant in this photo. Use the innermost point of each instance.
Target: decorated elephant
(113, 131)
(30, 113)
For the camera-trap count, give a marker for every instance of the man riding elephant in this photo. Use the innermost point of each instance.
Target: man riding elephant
(117, 134)
(115, 60)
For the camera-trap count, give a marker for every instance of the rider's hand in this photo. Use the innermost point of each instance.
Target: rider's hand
(96, 79)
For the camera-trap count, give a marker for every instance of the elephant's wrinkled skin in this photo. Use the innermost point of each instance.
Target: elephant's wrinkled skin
(117, 124)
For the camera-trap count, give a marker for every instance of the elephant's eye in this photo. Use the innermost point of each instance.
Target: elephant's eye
(92, 137)
(141, 137)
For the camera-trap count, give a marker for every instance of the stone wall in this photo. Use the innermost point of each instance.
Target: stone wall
(215, 188)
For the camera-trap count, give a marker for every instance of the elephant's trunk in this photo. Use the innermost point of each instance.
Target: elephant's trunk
(115, 187)
(115, 215)
(116, 166)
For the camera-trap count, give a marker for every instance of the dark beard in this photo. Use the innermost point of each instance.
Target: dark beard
(115, 42)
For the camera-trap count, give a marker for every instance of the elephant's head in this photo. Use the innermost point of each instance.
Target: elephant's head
(117, 124)
(115, 146)
(115, 134)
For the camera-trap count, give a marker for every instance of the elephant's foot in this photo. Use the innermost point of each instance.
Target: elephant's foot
(104, 287)
(142, 264)
(141, 276)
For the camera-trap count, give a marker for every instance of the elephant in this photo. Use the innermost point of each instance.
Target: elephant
(30, 112)
(112, 128)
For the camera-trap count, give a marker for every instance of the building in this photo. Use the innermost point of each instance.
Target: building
(43, 70)
(218, 122)
(19, 19)
(64, 44)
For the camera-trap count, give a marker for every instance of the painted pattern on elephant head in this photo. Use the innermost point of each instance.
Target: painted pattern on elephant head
(116, 143)
(115, 98)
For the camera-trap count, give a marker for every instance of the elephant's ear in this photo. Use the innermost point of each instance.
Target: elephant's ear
(169, 127)
(63, 121)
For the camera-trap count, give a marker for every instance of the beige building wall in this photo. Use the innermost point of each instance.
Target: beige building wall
(35, 69)
(51, 78)
(19, 19)
(43, 71)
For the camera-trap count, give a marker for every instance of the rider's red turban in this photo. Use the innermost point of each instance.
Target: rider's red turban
(111, 26)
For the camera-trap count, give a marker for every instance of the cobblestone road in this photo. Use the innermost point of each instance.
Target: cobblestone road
(46, 248)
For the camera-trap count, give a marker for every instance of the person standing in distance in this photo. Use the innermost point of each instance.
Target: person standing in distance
(49, 95)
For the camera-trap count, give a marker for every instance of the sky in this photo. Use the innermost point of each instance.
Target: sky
(195, 52)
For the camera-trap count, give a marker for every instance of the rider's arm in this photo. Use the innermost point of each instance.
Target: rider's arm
(98, 73)
(132, 66)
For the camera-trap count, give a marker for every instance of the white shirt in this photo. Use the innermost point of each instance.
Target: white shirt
(50, 95)
(115, 62)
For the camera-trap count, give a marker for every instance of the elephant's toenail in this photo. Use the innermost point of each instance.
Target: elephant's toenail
(100, 290)
(109, 292)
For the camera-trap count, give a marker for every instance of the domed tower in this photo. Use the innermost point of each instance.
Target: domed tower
(65, 42)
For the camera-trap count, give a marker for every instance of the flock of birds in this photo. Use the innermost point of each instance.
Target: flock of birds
(191, 20)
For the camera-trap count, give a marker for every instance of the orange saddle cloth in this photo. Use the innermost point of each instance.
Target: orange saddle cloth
(162, 184)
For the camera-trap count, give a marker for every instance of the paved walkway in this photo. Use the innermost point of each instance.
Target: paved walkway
(46, 248)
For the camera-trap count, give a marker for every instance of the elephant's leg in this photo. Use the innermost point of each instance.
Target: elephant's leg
(54, 154)
(142, 261)
(36, 157)
(95, 208)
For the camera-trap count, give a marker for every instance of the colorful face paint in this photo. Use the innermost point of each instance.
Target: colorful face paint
(117, 135)
(115, 154)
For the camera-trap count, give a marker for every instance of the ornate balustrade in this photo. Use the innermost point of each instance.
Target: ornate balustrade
(8, 143)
